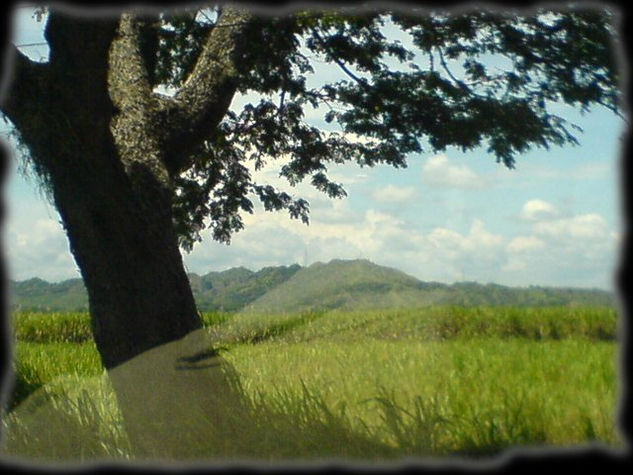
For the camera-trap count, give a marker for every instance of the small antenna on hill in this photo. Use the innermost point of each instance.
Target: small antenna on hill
(305, 256)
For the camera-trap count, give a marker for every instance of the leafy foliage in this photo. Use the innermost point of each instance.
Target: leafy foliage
(412, 81)
(455, 79)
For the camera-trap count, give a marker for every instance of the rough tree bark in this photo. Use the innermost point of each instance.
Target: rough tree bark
(108, 147)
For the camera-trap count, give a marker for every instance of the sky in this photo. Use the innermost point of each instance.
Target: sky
(554, 220)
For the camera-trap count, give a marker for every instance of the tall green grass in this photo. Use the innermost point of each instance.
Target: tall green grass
(71, 327)
(36, 364)
(443, 381)
(482, 393)
(426, 324)
(42, 327)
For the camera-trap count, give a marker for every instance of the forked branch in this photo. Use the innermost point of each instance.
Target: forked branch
(199, 106)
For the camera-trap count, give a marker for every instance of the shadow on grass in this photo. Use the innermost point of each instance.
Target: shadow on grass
(179, 402)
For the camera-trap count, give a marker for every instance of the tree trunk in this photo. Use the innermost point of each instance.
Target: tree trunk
(101, 162)
(129, 258)
(93, 130)
(183, 401)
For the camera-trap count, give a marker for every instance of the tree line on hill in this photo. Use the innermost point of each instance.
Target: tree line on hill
(339, 284)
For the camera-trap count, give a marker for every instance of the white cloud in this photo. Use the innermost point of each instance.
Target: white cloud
(481, 240)
(438, 170)
(445, 238)
(587, 226)
(522, 244)
(39, 251)
(538, 209)
(447, 255)
(578, 250)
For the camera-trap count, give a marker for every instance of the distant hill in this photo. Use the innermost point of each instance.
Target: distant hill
(342, 284)
(339, 284)
(360, 284)
(37, 294)
(229, 290)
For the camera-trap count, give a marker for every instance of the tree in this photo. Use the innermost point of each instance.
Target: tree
(136, 173)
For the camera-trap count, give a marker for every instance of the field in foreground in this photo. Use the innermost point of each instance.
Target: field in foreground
(433, 382)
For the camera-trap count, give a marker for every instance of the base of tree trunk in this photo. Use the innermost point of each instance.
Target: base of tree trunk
(177, 402)
(180, 401)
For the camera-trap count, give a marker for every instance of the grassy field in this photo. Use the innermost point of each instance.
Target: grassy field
(432, 382)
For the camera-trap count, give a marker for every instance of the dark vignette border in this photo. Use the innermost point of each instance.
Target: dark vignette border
(519, 461)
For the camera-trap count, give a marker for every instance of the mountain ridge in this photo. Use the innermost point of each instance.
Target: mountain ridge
(339, 284)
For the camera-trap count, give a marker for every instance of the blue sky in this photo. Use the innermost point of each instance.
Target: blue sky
(554, 220)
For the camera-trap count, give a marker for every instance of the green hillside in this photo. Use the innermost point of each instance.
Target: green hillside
(228, 290)
(360, 284)
(37, 294)
(340, 284)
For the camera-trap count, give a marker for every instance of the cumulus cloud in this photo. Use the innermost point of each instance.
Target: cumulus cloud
(436, 254)
(538, 209)
(39, 250)
(521, 244)
(480, 239)
(587, 226)
(573, 250)
(452, 249)
(556, 251)
(439, 170)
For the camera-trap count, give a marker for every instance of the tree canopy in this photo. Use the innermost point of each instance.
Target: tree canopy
(446, 79)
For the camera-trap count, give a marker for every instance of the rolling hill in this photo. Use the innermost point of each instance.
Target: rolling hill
(230, 290)
(38, 294)
(360, 284)
(339, 284)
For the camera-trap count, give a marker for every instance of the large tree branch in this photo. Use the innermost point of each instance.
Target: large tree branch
(27, 80)
(79, 44)
(62, 106)
(196, 110)
(134, 125)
